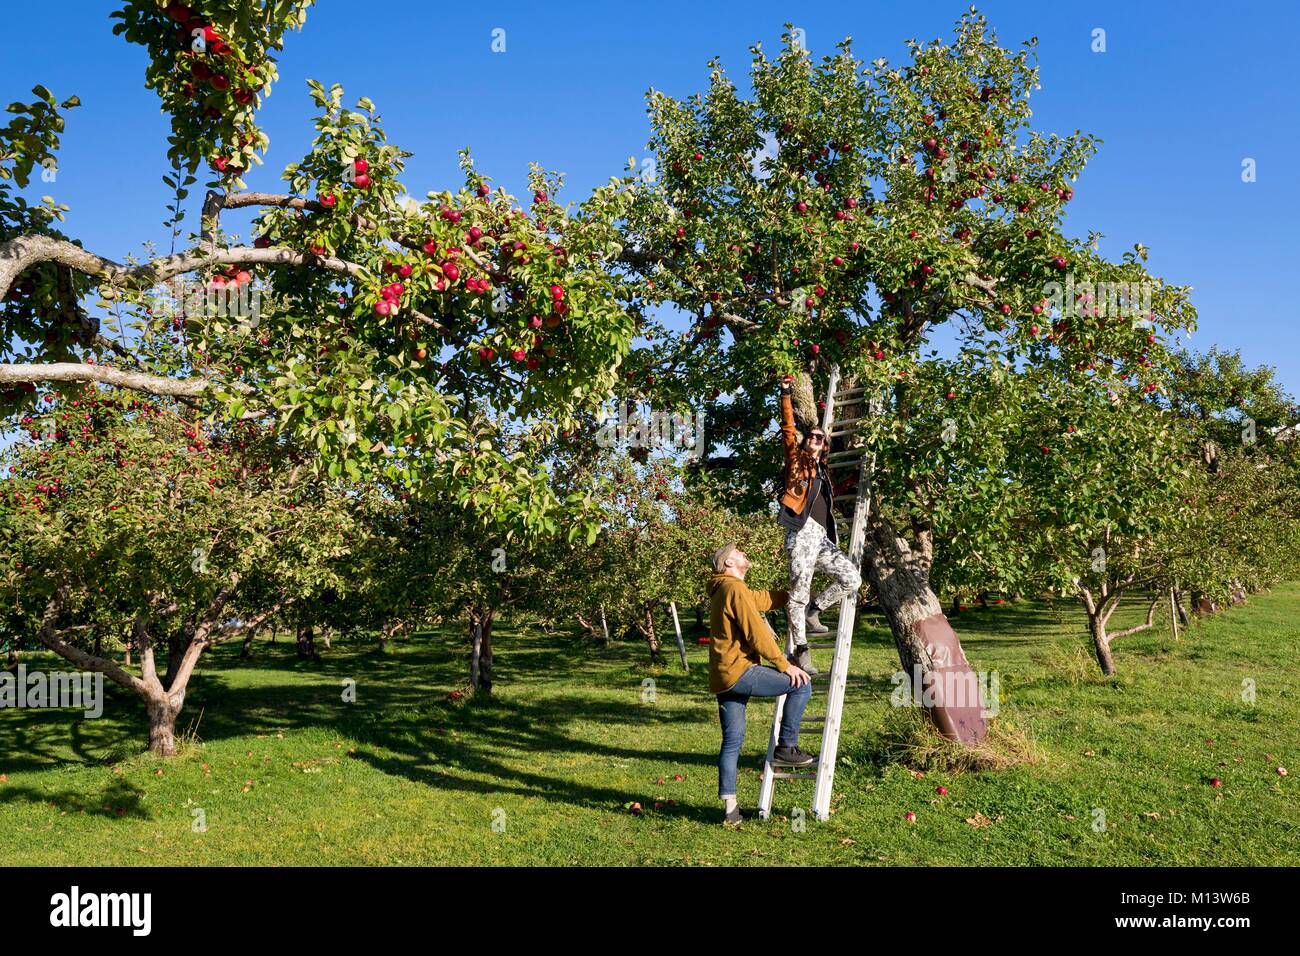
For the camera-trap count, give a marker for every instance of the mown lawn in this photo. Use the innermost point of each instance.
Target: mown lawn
(285, 772)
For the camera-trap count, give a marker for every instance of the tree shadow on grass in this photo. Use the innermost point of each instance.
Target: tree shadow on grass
(118, 799)
(406, 728)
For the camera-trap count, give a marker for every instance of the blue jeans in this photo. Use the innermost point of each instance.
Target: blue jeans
(757, 681)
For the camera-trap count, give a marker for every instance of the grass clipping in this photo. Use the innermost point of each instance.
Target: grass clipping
(908, 738)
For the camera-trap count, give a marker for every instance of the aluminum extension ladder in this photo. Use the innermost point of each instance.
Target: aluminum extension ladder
(834, 681)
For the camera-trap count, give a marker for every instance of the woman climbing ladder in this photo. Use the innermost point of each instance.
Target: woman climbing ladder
(807, 514)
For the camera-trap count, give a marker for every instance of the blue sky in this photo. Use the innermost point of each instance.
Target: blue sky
(1184, 92)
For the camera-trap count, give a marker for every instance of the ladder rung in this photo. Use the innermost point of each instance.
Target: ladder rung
(845, 498)
(850, 421)
(782, 775)
(855, 390)
(821, 646)
(844, 453)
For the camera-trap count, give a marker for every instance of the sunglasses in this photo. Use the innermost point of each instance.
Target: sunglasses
(816, 437)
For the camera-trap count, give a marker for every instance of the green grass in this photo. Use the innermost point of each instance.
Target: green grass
(404, 776)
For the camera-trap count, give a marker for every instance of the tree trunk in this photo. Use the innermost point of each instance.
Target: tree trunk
(956, 605)
(246, 650)
(475, 647)
(480, 659)
(162, 726)
(649, 629)
(1101, 643)
(928, 648)
(1183, 618)
(307, 643)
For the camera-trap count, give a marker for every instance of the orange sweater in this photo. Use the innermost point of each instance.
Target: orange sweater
(741, 638)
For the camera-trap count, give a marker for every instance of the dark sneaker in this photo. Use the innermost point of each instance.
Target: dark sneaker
(802, 659)
(793, 757)
(812, 625)
(733, 819)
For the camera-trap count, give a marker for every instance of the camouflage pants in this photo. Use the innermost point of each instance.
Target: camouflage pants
(810, 550)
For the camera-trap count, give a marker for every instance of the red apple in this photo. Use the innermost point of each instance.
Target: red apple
(362, 181)
(909, 816)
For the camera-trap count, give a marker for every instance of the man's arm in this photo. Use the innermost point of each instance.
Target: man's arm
(758, 634)
(768, 600)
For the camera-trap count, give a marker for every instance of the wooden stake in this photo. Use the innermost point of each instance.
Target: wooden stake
(681, 645)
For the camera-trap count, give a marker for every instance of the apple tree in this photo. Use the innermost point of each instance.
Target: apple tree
(906, 223)
(404, 331)
(129, 516)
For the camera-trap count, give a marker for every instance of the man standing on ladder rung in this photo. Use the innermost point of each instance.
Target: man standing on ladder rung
(740, 638)
(808, 516)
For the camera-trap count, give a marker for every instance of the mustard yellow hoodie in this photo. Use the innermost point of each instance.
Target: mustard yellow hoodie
(741, 638)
